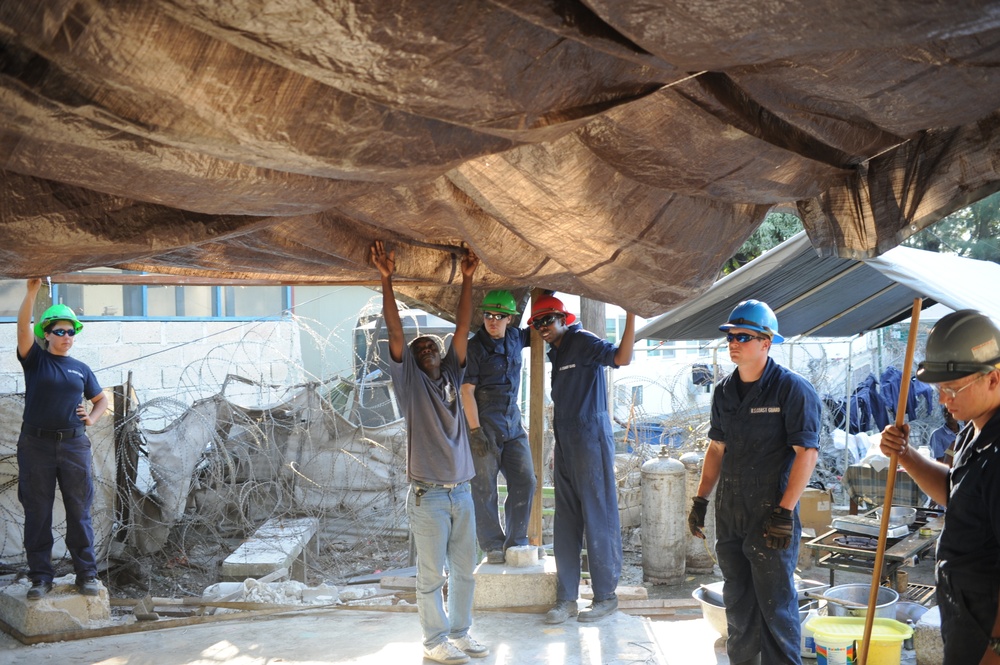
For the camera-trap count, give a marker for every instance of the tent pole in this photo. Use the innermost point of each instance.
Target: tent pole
(536, 426)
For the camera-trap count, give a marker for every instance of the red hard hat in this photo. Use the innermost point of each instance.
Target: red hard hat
(550, 305)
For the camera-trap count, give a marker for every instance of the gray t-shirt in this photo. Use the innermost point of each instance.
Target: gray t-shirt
(437, 435)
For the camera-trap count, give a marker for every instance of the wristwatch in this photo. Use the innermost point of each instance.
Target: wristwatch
(995, 645)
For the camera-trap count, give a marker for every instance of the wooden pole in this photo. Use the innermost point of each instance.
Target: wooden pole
(890, 484)
(536, 427)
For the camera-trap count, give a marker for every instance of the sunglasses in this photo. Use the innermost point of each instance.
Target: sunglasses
(546, 320)
(493, 316)
(742, 338)
(63, 332)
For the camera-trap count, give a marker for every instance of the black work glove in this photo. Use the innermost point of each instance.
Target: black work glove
(696, 518)
(778, 529)
(478, 442)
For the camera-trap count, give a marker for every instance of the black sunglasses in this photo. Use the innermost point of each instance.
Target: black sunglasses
(742, 338)
(62, 332)
(546, 320)
(493, 316)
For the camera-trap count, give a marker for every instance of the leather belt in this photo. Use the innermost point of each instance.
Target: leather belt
(447, 486)
(57, 434)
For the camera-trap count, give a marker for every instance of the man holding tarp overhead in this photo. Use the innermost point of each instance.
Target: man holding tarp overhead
(963, 358)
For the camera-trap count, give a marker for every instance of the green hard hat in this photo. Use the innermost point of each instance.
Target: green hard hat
(500, 301)
(57, 313)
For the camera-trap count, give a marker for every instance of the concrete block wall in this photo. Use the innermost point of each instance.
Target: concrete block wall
(183, 360)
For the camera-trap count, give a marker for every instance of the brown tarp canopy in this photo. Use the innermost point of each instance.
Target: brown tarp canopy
(608, 148)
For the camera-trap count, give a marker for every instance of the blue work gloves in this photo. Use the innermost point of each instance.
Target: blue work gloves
(478, 442)
(778, 529)
(696, 518)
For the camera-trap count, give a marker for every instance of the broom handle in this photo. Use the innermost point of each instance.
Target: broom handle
(890, 484)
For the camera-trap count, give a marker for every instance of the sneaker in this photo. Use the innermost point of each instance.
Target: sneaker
(88, 586)
(445, 652)
(38, 589)
(471, 647)
(495, 556)
(563, 610)
(599, 609)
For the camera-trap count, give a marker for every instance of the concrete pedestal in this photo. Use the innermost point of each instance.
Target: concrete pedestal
(62, 609)
(505, 586)
(927, 640)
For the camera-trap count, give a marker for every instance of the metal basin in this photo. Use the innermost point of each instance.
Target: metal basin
(899, 515)
(709, 597)
(885, 601)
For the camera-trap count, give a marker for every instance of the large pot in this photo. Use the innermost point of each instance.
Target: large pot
(885, 601)
(709, 596)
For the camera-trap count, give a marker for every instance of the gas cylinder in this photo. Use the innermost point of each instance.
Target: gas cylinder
(664, 521)
(700, 552)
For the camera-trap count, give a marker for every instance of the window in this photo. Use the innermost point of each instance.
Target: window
(154, 301)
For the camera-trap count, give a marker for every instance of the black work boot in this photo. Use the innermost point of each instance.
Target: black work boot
(38, 589)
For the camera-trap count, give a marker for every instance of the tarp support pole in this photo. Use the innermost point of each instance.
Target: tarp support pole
(536, 426)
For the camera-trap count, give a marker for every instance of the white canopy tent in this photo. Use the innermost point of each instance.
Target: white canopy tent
(834, 297)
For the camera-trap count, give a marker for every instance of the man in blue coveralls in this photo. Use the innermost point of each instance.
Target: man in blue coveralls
(499, 442)
(586, 492)
(439, 467)
(764, 440)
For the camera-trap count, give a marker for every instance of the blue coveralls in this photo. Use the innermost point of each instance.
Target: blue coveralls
(586, 493)
(780, 410)
(493, 366)
(968, 551)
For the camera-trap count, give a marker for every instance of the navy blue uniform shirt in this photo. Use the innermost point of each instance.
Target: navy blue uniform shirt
(54, 387)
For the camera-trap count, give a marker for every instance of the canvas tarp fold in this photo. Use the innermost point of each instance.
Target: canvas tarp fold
(616, 150)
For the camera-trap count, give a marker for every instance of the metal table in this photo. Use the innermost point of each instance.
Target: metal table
(840, 550)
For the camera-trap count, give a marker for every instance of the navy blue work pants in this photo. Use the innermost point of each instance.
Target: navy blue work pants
(762, 610)
(513, 459)
(42, 463)
(586, 501)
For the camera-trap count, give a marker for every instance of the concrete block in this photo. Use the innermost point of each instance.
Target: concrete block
(143, 332)
(927, 640)
(278, 543)
(183, 331)
(498, 585)
(522, 556)
(62, 609)
(124, 354)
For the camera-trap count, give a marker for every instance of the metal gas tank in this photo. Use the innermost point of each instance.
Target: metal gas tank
(664, 522)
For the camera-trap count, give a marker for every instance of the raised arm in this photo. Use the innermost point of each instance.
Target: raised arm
(386, 264)
(623, 356)
(463, 317)
(25, 335)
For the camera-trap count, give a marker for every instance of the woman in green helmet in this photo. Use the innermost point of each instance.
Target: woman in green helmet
(53, 446)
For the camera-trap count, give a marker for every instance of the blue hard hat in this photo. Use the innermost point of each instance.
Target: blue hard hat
(754, 315)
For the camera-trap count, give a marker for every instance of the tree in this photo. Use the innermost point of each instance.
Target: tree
(971, 232)
(776, 228)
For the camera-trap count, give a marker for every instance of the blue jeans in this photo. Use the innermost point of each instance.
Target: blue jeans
(513, 459)
(41, 464)
(444, 534)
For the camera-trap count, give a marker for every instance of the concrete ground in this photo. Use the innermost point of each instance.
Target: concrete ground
(376, 638)
(345, 637)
